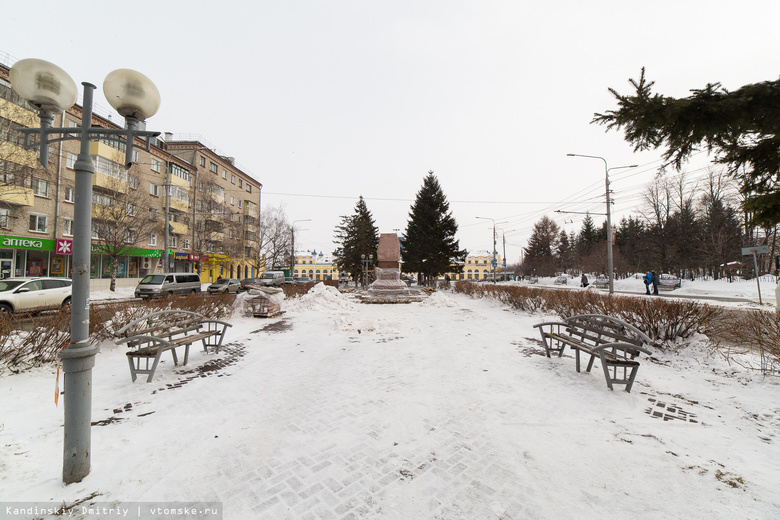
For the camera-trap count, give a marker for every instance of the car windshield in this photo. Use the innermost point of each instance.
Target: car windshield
(153, 279)
(266, 276)
(10, 285)
(221, 282)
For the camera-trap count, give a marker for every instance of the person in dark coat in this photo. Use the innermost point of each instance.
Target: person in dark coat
(584, 280)
(648, 280)
(655, 283)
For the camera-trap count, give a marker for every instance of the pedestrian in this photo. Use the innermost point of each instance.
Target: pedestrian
(648, 280)
(584, 280)
(655, 283)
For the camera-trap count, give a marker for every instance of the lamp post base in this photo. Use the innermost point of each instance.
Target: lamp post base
(77, 363)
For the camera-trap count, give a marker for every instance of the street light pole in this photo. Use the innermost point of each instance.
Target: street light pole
(292, 244)
(135, 97)
(609, 214)
(494, 245)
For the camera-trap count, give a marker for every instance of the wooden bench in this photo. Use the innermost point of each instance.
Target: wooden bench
(614, 342)
(151, 335)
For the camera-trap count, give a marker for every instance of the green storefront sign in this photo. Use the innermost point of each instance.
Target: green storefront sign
(130, 251)
(41, 244)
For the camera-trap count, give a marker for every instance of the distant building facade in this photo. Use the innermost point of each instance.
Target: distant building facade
(212, 206)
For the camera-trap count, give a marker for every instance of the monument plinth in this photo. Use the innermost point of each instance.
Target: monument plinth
(388, 270)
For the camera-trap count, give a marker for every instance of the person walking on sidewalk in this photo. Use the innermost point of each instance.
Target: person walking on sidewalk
(655, 283)
(648, 279)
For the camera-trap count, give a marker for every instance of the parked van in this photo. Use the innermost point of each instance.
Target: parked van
(162, 285)
(274, 278)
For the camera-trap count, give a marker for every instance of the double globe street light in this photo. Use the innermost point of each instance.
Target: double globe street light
(51, 90)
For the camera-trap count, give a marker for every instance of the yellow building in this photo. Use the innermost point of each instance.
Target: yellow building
(317, 266)
(478, 266)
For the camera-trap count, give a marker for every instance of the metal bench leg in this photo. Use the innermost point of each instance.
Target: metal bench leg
(133, 373)
(154, 365)
(631, 379)
(175, 358)
(590, 363)
(605, 366)
(577, 357)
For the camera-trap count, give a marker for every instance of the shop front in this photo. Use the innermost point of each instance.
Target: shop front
(26, 256)
(181, 262)
(136, 263)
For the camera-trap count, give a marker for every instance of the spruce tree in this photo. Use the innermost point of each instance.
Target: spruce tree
(588, 236)
(429, 247)
(739, 127)
(542, 247)
(356, 235)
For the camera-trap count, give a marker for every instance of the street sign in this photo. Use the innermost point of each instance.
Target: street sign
(746, 251)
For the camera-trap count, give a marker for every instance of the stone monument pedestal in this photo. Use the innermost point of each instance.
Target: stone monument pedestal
(388, 270)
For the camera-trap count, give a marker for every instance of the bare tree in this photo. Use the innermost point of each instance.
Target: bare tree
(121, 218)
(275, 236)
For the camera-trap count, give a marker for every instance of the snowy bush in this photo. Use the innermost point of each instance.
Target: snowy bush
(31, 340)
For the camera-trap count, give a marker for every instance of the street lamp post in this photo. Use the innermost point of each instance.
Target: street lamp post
(292, 244)
(367, 261)
(609, 214)
(50, 89)
(494, 245)
(503, 240)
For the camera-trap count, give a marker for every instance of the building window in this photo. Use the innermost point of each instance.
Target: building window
(185, 243)
(224, 174)
(202, 161)
(70, 194)
(152, 239)
(154, 190)
(40, 187)
(129, 236)
(240, 183)
(152, 214)
(155, 165)
(131, 209)
(233, 179)
(67, 227)
(5, 218)
(38, 223)
(172, 241)
(213, 167)
(232, 201)
(132, 180)
(249, 188)
(70, 160)
(239, 203)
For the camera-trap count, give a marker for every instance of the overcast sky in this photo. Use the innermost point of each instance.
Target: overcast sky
(324, 101)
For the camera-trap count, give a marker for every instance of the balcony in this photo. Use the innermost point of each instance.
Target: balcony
(101, 180)
(17, 195)
(178, 205)
(179, 228)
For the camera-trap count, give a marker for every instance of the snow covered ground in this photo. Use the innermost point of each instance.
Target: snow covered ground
(442, 409)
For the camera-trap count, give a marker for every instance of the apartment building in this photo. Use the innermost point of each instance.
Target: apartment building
(212, 207)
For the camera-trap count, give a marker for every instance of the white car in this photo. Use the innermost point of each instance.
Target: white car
(28, 293)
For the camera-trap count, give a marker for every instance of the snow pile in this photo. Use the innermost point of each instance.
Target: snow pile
(440, 299)
(323, 297)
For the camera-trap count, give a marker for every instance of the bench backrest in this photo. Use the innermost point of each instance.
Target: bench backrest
(159, 321)
(598, 329)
